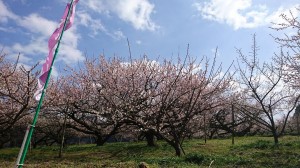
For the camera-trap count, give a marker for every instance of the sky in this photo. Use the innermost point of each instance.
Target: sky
(160, 29)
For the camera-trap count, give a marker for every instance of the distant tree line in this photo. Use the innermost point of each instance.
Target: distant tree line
(111, 99)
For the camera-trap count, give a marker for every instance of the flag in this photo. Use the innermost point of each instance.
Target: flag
(69, 19)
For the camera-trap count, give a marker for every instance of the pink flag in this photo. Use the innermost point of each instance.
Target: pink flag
(51, 44)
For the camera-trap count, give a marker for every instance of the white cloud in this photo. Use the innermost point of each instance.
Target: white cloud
(118, 35)
(238, 13)
(38, 45)
(23, 60)
(7, 29)
(71, 37)
(94, 24)
(232, 12)
(5, 13)
(135, 12)
(138, 42)
(84, 18)
(37, 24)
(70, 55)
(275, 16)
(98, 5)
(40, 30)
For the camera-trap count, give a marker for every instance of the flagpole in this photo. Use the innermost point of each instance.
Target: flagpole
(21, 160)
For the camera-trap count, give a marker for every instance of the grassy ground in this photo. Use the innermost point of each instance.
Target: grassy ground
(254, 152)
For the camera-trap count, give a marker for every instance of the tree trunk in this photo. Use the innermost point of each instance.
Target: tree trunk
(150, 138)
(276, 140)
(232, 117)
(275, 136)
(100, 141)
(205, 131)
(298, 127)
(62, 138)
(177, 149)
(12, 143)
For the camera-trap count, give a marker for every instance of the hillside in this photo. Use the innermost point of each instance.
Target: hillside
(247, 152)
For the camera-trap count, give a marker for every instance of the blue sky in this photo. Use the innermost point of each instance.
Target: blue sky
(157, 28)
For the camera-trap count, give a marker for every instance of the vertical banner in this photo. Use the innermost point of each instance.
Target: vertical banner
(67, 20)
(65, 23)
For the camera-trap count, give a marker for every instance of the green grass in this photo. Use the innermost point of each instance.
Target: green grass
(253, 152)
